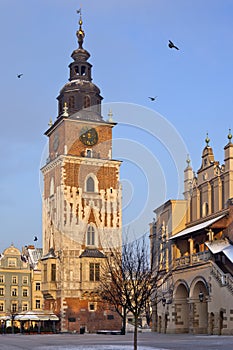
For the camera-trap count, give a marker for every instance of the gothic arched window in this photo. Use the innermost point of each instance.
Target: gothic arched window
(90, 184)
(90, 235)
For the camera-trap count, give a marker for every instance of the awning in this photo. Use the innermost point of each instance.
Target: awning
(36, 316)
(229, 252)
(197, 227)
(27, 317)
(5, 318)
(221, 246)
(217, 246)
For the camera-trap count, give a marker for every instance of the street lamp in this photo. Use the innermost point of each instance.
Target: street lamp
(201, 296)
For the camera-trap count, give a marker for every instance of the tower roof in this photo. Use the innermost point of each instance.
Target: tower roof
(80, 93)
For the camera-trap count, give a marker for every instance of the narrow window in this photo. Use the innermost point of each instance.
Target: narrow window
(90, 235)
(212, 198)
(94, 272)
(1, 306)
(223, 195)
(1, 279)
(25, 307)
(25, 292)
(14, 280)
(53, 272)
(25, 279)
(83, 70)
(97, 272)
(90, 184)
(1, 291)
(52, 186)
(37, 304)
(71, 102)
(37, 285)
(14, 292)
(89, 153)
(201, 204)
(14, 307)
(76, 69)
(45, 273)
(87, 101)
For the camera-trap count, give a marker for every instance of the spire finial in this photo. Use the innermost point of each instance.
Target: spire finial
(80, 33)
(188, 161)
(229, 136)
(207, 140)
(110, 114)
(50, 122)
(65, 110)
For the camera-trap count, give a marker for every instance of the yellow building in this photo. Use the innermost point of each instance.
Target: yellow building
(195, 239)
(15, 284)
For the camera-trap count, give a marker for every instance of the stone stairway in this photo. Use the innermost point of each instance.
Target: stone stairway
(224, 279)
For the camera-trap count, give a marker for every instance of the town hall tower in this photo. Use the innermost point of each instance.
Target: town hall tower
(82, 211)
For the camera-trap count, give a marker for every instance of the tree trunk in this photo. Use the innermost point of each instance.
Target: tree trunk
(123, 329)
(135, 338)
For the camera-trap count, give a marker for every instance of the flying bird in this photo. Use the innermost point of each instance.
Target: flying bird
(152, 98)
(19, 75)
(172, 46)
(35, 239)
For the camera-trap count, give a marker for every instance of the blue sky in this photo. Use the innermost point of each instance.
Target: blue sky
(131, 61)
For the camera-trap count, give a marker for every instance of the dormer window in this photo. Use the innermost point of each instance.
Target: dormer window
(71, 102)
(87, 101)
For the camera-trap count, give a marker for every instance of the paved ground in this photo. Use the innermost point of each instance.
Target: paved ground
(115, 342)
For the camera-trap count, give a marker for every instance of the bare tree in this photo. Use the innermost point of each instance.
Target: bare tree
(111, 284)
(130, 279)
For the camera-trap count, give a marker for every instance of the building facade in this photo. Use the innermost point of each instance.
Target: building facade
(15, 283)
(195, 239)
(20, 284)
(81, 203)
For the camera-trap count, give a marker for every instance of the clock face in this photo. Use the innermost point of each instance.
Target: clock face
(55, 142)
(88, 137)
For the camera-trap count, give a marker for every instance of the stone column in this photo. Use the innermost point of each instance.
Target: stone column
(191, 250)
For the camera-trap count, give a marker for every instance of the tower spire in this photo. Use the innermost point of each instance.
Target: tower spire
(207, 140)
(80, 32)
(229, 136)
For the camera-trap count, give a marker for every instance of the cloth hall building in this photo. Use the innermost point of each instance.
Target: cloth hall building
(195, 239)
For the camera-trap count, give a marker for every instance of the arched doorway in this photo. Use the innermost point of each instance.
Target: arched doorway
(198, 298)
(181, 308)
